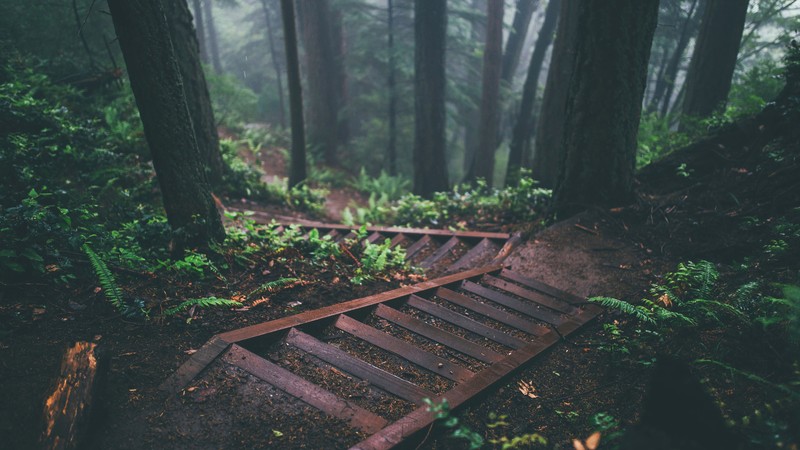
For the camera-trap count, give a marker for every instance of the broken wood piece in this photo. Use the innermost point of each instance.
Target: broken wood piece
(586, 229)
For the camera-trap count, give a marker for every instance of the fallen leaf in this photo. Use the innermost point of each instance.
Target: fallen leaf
(527, 389)
(191, 351)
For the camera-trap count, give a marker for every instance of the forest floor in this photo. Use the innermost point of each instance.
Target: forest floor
(617, 253)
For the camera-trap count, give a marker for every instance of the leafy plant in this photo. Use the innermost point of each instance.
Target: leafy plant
(272, 285)
(204, 302)
(441, 412)
(107, 281)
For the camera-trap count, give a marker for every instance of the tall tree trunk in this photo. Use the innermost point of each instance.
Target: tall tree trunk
(392, 86)
(472, 113)
(666, 81)
(525, 124)
(275, 60)
(184, 43)
(430, 30)
(550, 128)
(339, 41)
(200, 25)
(213, 42)
(321, 76)
(516, 40)
(714, 60)
(297, 171)
(490, 96)
(143, 36)
(604, 104)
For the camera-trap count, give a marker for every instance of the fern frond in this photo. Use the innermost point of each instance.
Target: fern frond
(107, 281)
(708, 304)
(204, 302)
(638, 312)
(271, 285)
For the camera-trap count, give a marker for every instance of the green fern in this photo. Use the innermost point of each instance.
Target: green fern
(270, 285)
(112, 292)
(708, 305)
(204, 302)
(639, 312)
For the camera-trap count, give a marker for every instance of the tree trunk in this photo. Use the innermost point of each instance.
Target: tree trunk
(321, 76)
(213, 42)
(143, 36)
(342, 97)
(490, 97)
(430, 30)
(184, 43)
(392, 86)
(550, 128)
(714, 60)
(524, 126)
(275, 60)
(200, 25)
(604, 104)
(516, 40)
(472, 113)
(297, 172)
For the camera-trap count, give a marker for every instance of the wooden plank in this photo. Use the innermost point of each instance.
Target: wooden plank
(472, 255)
(397, 239)
(534, 296)
(526, 308)
(465, 322)
(508, 247)
(440, 253)
(196, 363)
(491, 312)
(542, 287)
(445, 338)
(304, 390)
(334, 234)
(375, 237)
(399, 347)
(327, 312)
(414, 248)
(356, 367)
(350, 235)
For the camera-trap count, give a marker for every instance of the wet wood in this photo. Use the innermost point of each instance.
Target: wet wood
(491, 312)
(414, 248)
(473, 255)
(465, 322)
(68, 408)
(534, 296)
(403, 349)
(542, 287)
(529, 309)
(356, 367)
(398, 239)
(438, 335)
(191, 368)
(304, 390)
(440, 253)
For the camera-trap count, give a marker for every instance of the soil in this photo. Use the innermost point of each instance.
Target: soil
(600, 252)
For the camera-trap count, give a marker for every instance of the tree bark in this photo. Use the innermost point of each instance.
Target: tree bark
(490, 97)
(392, 86)
(297, 172)
(322, 81)
(275, 60)
(430, 29)
(143, 36)
(472, 113)
(339, 41)
(184, 43)
(525, 124)
(550, 128)
(516, 40)
(714, 60)
(200, 26)
(604, 104)
(213, 42)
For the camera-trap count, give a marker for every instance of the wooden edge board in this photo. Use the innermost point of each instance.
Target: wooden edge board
(528, 308)
(204, 356)
(304, 390)
(545, 300)
(542, 287)
(508, 247)
(285, 323)
(438, 335)
(403, 349)
(491, 312)
(345, 361)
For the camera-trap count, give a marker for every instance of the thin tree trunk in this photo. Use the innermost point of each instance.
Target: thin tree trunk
(666, 82)
(604, 104)
(524, 126)
(430, 31)
(297, 171)
(200, 26)
(275, 61)
(342, 97)
(490, 97)
(213, 43)
(184, 42)
(85, 44)
(550, 128)
(714, 60)
(143, 36)
(516, 40)
(391, 85)
(472, 113)
(321, 76)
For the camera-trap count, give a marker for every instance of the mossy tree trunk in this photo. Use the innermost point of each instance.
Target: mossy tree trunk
(604, 104)
(155, 78)
(430, 165)
(297, 172)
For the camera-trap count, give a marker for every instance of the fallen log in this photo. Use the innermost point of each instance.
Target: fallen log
(67, 410)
